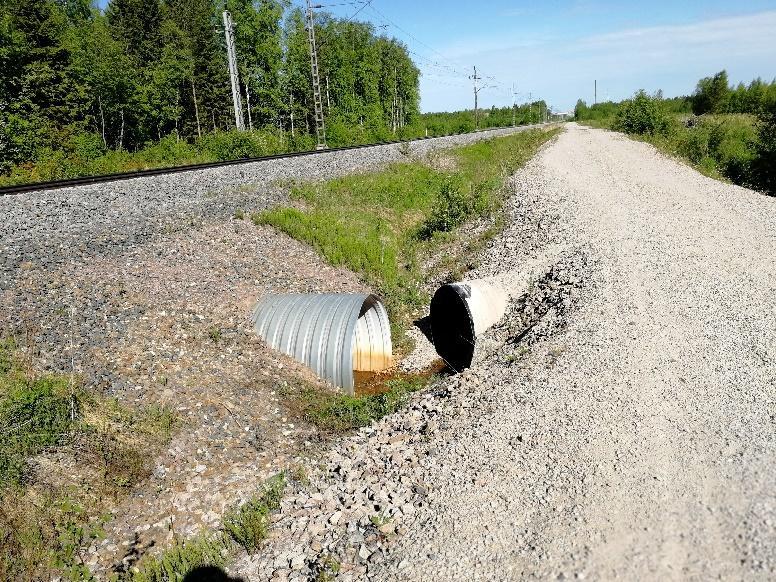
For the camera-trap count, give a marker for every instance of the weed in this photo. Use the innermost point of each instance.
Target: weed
(248, 524)
(334, 412)
(379, 520)
(180, 559)
(214, 333)
(325, 568)
(298, 474)
(239, 214)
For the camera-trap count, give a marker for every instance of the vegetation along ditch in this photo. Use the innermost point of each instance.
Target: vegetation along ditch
(725, 132)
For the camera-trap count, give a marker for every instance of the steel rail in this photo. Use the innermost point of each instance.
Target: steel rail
(103, 178)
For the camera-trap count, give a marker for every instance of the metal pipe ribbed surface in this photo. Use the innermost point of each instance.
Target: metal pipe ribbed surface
(334, 333)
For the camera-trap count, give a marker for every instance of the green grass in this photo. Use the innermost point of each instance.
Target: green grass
(246, 526)
(45, 525)
(382, 224)
(36, 412)
(180, 559)
(336, 413)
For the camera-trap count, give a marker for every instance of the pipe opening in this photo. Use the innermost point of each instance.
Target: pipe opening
(335, 334)
(452, 325)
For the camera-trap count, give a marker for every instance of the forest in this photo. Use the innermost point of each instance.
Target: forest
(145, 83)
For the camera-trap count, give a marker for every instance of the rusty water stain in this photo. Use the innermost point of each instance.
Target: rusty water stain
(373, 383)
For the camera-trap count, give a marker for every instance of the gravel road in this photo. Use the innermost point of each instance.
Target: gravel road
(627, 432)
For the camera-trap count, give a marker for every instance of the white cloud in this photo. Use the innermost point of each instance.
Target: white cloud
(739, 31)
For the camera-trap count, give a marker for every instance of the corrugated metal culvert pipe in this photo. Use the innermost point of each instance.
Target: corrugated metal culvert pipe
(334, 334)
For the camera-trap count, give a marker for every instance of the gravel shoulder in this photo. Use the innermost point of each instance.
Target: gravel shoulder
(623, 429)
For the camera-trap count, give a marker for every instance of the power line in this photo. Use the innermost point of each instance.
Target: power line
(416, 39)
(364, 5)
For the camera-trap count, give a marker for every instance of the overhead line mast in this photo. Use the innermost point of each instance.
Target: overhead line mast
(320, 126)
(477, 89)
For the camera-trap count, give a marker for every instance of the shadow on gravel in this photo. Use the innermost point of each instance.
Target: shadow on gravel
(210, 574)
(424, 325)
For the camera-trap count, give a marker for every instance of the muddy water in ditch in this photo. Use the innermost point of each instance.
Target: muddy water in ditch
(372, 383)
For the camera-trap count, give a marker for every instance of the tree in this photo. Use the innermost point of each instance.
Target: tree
(200, 25)
(105, 82)
(137, 24)
(258, 34)
(581, 110)
(711, 94)
(764, 164)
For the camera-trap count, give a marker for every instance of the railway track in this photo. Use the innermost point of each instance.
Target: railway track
(88, 180)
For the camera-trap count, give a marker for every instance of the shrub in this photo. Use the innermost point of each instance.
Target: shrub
(168, 151)
(763, 165)
(235, 145)
(642, 115)
(249, 524)
(452, 208)
(720, 145)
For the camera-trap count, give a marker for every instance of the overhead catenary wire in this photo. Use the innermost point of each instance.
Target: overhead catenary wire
(427, 64)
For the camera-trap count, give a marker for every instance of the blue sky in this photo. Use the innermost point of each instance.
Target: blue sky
(555, 49)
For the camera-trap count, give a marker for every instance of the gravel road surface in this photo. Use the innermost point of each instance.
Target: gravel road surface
(641, 442)
(627, 432)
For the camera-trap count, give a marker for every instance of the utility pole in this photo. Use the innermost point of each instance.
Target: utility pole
(595, 91)
(530, 109)
(475, 78)
(232, 54)
(291, 95)
(320, 127)
(514, 106)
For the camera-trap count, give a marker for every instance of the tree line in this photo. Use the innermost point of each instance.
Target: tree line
(712, 95)
(79, 84)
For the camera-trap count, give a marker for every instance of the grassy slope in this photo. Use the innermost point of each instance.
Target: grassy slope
(45, 520)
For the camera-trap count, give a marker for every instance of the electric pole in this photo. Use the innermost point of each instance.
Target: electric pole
(475, 78)
(530, 109)
(595, 91)
(320, 127)
(233, 74)
(514, 106)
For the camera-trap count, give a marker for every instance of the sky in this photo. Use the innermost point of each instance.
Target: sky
(555, 49)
